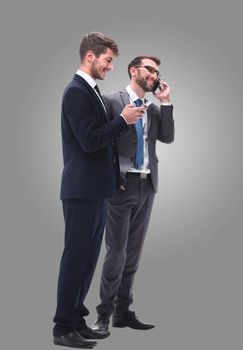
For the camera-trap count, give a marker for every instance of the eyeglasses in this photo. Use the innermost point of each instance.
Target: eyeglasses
(151, 70)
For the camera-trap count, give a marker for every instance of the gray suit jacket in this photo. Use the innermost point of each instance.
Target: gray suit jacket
(160, 127)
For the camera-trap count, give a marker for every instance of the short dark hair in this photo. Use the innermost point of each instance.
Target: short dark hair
(138, 60)
(98, 43)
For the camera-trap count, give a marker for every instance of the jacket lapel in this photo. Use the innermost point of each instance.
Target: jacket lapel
(125, 97)
(84, 82)
(149, 117)
(126, 100)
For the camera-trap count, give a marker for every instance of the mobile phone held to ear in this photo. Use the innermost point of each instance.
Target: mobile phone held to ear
(157, 87)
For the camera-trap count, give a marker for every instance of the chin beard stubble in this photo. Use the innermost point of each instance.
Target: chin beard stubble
(143, 84)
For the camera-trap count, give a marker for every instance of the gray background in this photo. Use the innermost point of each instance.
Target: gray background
(189, 282)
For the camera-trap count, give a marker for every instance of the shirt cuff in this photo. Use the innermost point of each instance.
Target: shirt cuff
(124, 119)
(166, 103)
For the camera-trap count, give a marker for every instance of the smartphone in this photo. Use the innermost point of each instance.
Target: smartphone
(157, 87)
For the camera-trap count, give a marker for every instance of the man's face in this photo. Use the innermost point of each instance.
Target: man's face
(147, 74)
(102, 64)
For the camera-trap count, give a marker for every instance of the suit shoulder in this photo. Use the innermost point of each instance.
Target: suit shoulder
(154, 108)
(75, 96)
(75, 88)
(74, 84)
(112, 96)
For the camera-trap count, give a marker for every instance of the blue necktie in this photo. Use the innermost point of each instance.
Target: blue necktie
(139, 150)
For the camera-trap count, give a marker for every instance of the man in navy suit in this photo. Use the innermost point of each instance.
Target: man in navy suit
(90, 176)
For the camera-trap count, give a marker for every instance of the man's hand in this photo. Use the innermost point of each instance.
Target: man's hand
(131, 113)
(164, 94)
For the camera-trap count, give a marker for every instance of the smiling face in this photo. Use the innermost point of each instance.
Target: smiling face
(99, 66)
(146, 74)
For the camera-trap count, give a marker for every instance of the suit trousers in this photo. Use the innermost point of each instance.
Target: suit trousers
(128, 215)
(84, 226)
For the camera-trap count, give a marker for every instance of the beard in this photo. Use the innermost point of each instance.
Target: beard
(94, 71)
(143, 83)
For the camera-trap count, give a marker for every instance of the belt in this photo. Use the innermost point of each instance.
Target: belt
(142, 176)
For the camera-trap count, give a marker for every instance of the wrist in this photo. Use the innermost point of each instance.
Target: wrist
(165, 100)
(123, 118)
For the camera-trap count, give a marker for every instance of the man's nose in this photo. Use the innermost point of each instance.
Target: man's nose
(110, 66)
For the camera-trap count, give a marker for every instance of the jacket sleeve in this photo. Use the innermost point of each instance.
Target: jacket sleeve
(166, 130)
(80, 114)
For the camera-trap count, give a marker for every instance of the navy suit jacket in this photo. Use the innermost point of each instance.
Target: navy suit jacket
(91, 165)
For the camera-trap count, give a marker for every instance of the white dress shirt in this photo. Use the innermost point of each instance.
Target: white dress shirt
(145, 167)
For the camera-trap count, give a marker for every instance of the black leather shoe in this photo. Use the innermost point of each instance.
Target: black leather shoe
(101, 325)
(74, 340)
(91, 333)
(129, 319)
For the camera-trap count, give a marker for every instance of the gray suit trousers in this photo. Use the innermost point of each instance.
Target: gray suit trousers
(128, 215)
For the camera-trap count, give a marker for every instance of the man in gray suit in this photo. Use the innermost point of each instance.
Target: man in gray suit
(129, 209)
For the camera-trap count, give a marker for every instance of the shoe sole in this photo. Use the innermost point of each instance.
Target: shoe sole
(119, 325)
(123, 325)
(79, 346)
(101, 336)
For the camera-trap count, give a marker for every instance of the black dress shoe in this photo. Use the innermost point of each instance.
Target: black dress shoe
(74, 340)
(91, 333)
(129, 319)
(101, 325)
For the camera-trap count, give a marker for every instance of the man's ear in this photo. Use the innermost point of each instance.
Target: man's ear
(133, 71)
(90, 56)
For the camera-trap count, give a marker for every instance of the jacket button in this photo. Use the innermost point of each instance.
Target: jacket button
(114, 160)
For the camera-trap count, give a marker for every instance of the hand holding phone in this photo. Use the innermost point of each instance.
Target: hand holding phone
(156, 87)
(161, 90)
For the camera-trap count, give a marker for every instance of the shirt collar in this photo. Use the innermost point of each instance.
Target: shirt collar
(133, 96)
(86, 77)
